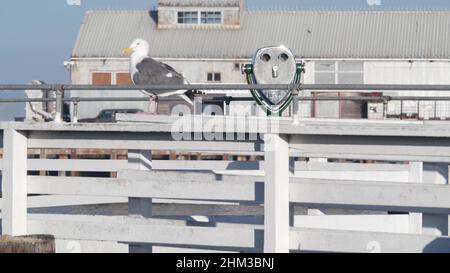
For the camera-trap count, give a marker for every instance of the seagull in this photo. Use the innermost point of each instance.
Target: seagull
(147, 71)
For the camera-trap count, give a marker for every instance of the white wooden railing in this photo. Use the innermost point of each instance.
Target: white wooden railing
(413, 184)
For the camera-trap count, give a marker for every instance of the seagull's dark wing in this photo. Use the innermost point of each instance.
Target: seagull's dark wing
(151, 71)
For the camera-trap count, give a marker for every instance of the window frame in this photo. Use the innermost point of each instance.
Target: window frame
(211, 11)
(185, 12)
(199, 17)
(214, 76)
(337, 72)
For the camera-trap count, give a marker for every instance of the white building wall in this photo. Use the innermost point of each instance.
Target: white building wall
(405, 72)
(196, 70)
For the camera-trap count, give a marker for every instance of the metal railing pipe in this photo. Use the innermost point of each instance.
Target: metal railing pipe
(228, 99)
(231, 87)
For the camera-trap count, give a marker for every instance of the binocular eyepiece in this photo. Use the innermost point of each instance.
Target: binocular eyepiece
(273, 65)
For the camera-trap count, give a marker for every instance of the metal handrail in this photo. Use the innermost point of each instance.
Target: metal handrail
(230, 99)
(229, 87)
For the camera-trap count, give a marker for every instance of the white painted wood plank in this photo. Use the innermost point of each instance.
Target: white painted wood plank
(370, 147)
(48, 201)
(395, 196)
(126, 229)
(126, 219)
(84, 165)
(177, 233)
(354, 167)
(100, 165)
(140, 207)
(192, 165)
(180, 250)
(358, 241)
(415, 176)
(352, 171)
(387, 176)
(276, 194)
(151, 185)
(14, 183)
(343, 171)
(133, 141)
(370, 223)
(305, 126)
(82, 246)
(405, 197)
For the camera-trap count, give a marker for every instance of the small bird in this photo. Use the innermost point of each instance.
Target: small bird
(147, 71)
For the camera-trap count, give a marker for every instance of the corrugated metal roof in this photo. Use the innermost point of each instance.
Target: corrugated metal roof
(199, 3)
(310, 34)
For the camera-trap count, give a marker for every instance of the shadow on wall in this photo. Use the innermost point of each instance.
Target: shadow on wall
(440, 245)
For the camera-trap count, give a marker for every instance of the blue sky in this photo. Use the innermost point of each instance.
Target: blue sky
(37, 36)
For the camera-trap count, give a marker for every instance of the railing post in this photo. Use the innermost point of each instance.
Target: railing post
(276, 194)
(295, 110)
(59, 106)
(198, 106)
(75, 112)
(140, 207)
(435, 224)
(14, 184)
(415, 176)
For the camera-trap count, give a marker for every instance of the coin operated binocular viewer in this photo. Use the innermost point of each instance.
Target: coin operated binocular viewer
(274, 65)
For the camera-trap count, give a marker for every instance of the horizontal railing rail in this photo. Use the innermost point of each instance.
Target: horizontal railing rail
(229, 87)
(227, 99)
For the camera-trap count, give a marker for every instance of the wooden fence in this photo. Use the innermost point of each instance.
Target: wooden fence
(366, 186)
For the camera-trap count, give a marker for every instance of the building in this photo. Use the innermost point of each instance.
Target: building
(209, 40)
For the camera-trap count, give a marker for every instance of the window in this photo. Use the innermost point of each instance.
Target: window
(214, 77)
(211, 17)
(188, 17)
(338, 72)
(197, 17)
(123, 79)
(342, 72)
(101, 78)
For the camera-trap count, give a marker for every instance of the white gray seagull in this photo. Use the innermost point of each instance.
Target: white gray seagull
(147, 71)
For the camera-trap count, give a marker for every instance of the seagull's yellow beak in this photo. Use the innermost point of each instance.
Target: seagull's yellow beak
(127, 50)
